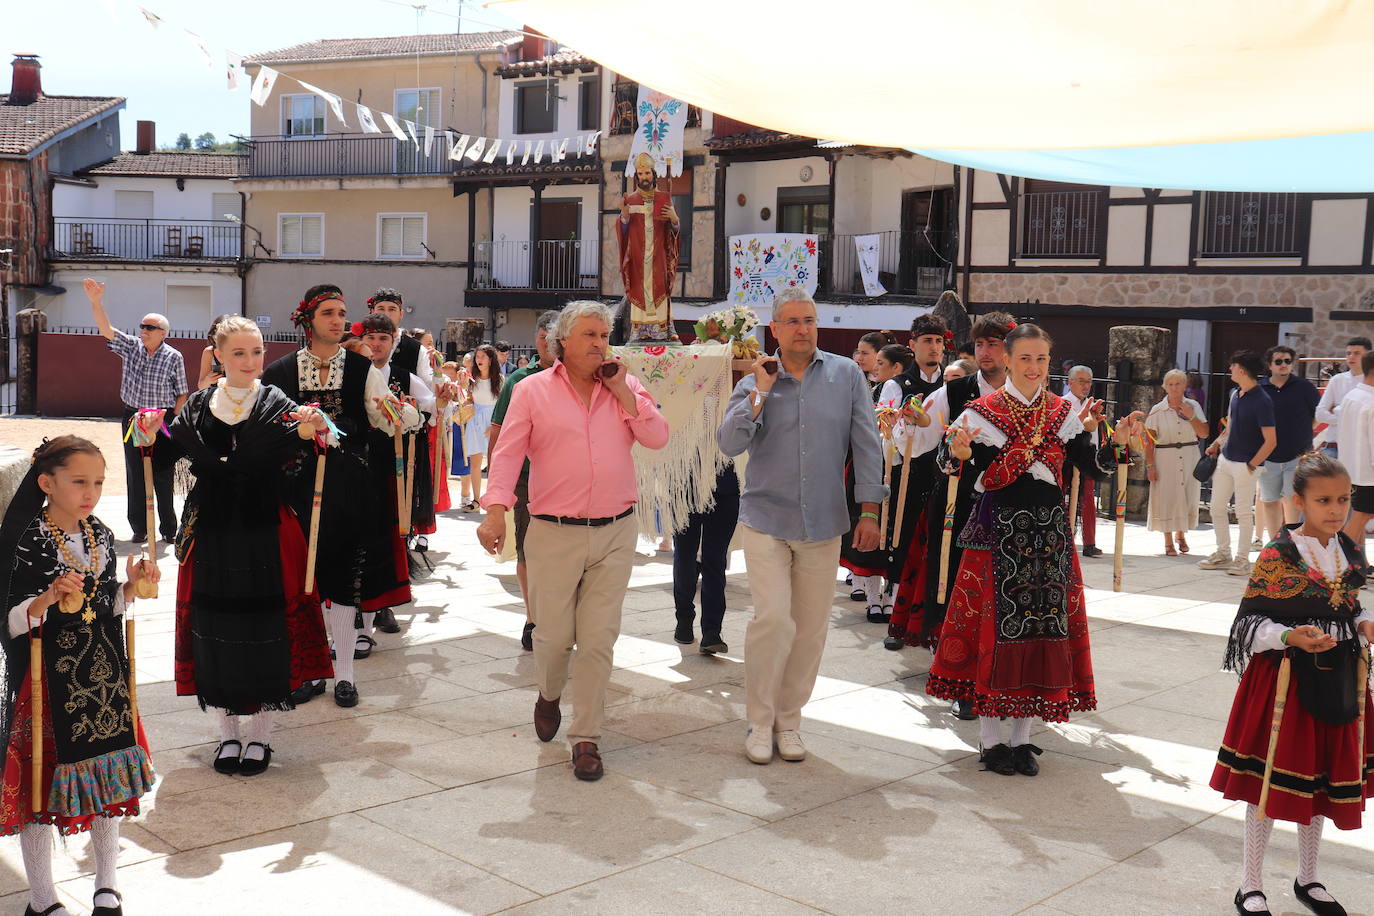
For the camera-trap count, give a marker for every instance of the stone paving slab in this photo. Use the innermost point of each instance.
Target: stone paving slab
(434, 796)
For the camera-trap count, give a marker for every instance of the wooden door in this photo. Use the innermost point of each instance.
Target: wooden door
(558, 245)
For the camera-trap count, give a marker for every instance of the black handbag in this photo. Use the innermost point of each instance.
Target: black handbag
(1204, 469)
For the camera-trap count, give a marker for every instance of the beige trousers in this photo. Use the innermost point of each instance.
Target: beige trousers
(793, 587)
(577, 581)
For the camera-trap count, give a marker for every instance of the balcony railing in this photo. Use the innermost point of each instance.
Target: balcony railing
(343, 156)
(1239, 224)
(909, 263)
(1061, 224)
(144, 239)
(570, 264)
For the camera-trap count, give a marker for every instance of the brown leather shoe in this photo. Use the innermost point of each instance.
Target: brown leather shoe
(587, 761)
(547, 718)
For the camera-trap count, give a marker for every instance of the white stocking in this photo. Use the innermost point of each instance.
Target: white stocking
(1020, 732)
(259, 730)
(1309, 842)
(35, 841)
(1257, 830)
(228, 725)
(989, 731)
(873, 588)
(341, 628)
(368, 618)
(105, 840)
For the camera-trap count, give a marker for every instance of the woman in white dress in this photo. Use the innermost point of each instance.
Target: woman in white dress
(1177, 422)
(484, 387)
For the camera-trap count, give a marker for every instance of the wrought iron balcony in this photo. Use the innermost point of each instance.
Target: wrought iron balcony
(909, 263)
(341, 155)
(1243, 224)
(568, 264)
(1062, 224)
(88, 237)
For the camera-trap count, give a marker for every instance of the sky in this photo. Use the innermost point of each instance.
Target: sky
(86, 49)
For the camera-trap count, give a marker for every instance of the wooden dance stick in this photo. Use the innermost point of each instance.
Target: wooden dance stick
(1073, 503)
(410, 482)
(1362, 678)
(1280, 700)
(152, 516)
(314, 540)
(1118, 561)
(439, 429)
(133, 676)
(887, 500)
(901, 490)
(951, 497)
(36, 708)
(400, 480)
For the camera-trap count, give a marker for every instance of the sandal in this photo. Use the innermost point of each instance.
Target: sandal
(875, 613)
(1182, 544)
(362, 646)
(1169, 550)
(116, 910)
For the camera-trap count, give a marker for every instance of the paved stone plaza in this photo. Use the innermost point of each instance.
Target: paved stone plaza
(434, 797)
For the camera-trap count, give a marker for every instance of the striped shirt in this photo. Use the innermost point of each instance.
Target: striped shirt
(154, 379)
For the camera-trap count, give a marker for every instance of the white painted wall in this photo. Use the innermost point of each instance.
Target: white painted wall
(511, 224)
(567, 107)
(759, 183)
(131, 294)
(193, 204)
(1172, 224)
(1337, 232)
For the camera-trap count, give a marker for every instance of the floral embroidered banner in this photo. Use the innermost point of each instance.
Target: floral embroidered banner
(867, 247)
(761, 266)
(662, 120)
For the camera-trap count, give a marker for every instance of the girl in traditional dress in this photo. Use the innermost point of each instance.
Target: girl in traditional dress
(1171, 453)
(483, 387)
(1015, 639)
(58, 582)
(1297, 745)
(247, 632)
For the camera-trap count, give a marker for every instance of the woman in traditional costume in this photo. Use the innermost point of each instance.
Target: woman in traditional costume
(59, 584)
(1015, 639)
(1297, 745)
(247, 631)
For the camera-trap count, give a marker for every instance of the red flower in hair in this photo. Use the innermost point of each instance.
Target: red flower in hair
(357, 329)
(1010, 325)
(949, 337)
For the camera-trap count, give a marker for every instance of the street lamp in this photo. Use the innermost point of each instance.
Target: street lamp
(257, 242)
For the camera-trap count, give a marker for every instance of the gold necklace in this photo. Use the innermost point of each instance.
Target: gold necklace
(1030, 417)
(1331, 579)
(76, 601)
(239, 402)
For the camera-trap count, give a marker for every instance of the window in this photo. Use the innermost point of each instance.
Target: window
(536, 107)
(1061, 220)
(401, 235)
(804, 210)
(134, 204)
(223, 205)
(300, 235)
(625, 98)
(302, 116)
(418, 105)
(1243, 224)
(589, 103)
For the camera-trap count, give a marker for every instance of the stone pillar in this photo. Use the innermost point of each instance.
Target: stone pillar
(29, 324)
(1137, 358)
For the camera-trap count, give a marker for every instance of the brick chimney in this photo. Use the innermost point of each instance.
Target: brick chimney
(147, 138)
(26, 85)
(532, 44)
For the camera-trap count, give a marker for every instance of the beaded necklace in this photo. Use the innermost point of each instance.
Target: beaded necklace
(1030, 418)
(73, 602)
(1330, 578)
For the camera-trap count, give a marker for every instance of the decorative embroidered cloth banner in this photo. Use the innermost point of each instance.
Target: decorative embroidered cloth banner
(761, 266)
(691, 386)
(867, 246)
(662, 120)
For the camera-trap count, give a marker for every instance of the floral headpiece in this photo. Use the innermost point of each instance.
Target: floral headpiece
(384, 296)
(356, 328)
(305, 310)
(949, 336)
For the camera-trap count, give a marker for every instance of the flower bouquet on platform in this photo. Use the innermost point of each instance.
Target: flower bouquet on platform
(732, 327)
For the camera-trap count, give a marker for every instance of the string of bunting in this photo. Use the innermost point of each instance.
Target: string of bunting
(465, 149)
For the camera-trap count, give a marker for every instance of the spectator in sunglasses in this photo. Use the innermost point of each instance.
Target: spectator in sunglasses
(1295, 406)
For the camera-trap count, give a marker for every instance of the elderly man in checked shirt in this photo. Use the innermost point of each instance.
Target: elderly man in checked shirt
(154, 375)
(797, 422)
(576, 422)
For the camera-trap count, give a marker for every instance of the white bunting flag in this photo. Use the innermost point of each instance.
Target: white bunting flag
(591, 142)
(491, 151)
(199, 44)
(528, 146)
(510, 151)
(233, 66)
(365, 121)
(414, 134)
(394, 127)
(560, 152)
(539, 152)
(455, 152)
(335, 103)
(154, 19)
(475, 151)
(429, 138)
(262, 84)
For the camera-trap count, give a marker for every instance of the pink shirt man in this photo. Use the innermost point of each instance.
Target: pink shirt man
(580, 456)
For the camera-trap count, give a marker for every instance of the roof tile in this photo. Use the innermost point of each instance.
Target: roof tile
(24, 128)
(333, 49)
(172, 165)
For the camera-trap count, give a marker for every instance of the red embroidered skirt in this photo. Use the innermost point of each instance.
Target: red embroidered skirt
(1319, 768)
(963, 666)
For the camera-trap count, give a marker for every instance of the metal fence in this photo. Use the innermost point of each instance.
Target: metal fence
(176, 333)
(565, 264)
(90, 237)
(368, 154)
(1248, 224)
(909, 263)
(1061, 224)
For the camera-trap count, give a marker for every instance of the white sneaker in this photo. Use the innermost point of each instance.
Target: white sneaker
(1219, 560)
(758, 745)
(790, 745)
(1239, 568)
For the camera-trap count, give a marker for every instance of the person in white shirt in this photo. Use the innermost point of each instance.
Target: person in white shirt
(1356, 447)
(1333, 398)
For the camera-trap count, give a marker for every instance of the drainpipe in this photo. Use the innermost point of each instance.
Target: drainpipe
(243, 266)
(491, 206)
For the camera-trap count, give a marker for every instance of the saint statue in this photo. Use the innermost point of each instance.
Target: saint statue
(649, 237)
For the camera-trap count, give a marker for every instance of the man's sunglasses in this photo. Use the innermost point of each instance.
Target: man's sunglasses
(151, 327)
(1283, 362)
